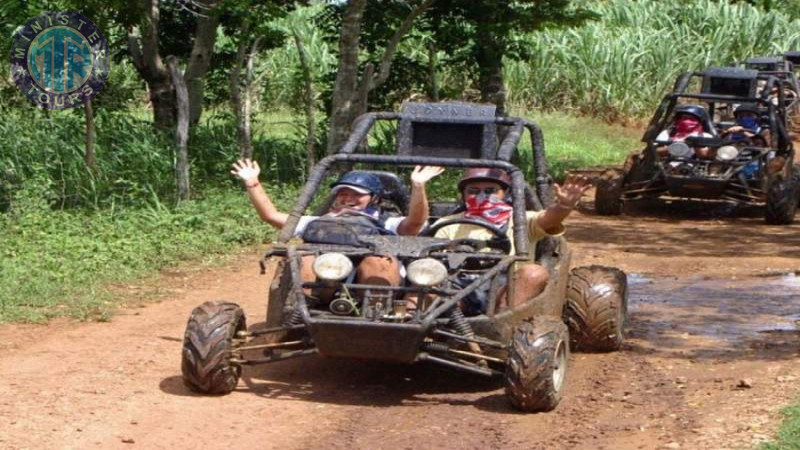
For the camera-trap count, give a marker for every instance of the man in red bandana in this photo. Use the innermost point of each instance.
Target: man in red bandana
(485, 193)
(688, 121)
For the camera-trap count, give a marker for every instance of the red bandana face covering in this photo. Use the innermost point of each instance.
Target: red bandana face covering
(686, 126)
(487, 207)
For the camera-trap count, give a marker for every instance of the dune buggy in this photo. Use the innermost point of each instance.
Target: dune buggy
(528, 346)
(782, 68)
(750, 171)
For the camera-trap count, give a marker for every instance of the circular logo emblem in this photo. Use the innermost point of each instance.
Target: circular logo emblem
(59, 59)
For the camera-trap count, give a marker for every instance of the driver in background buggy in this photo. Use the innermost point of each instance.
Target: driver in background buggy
(688, 121)
(485, 196)
(356, 194)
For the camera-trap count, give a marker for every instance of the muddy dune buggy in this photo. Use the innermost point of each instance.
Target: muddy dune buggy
(528, 346)
(756, 170)
(784, 69)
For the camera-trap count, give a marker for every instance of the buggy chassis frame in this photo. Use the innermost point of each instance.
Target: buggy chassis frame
(427, 336)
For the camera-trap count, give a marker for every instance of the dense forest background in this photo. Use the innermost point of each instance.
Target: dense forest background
(105, 193)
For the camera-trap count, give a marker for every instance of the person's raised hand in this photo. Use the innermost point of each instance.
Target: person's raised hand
(247, 170)
(569, 193)
(423, 174)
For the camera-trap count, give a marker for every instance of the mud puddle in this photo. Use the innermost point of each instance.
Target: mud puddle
(716, 316)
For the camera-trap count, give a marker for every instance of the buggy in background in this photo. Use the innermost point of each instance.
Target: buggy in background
(711, 165)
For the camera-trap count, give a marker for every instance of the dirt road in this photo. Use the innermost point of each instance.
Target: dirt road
(712, 355)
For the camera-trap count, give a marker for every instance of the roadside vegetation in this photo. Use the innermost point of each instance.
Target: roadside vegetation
(75, 218)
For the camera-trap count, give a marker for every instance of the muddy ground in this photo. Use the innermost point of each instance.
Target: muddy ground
(712, 355)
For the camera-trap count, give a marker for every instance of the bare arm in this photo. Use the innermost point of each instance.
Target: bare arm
(418, 206)
(248, 171)
(567, 197)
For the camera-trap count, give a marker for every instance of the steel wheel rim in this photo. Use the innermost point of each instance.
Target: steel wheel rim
(559, 366)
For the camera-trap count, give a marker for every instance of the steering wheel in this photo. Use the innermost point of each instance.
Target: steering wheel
(499, 240)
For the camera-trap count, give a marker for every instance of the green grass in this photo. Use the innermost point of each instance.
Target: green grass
(56, 263)
(583, 142)
(789, 434)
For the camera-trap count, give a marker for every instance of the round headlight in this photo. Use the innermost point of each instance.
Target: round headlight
(426, 272)
(727, 153)
(680, 150)
(332, 266)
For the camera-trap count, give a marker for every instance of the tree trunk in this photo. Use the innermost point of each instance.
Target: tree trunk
(241, 94)
(433, 79)
(344, 89)
(204, 37)
(236, 99)
(391, 47)
(490, 71)
(182, 129)
(348, 100)
(144, 54)
(88, 156)
(310, 103)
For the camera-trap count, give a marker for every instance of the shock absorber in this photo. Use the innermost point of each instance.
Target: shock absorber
(440, 347)
(294, 318)
(459, 322)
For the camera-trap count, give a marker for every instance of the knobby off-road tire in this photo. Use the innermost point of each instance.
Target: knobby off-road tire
(208, 346)
(608, 193)
(782, 199)
(597, 308)
(537, 364)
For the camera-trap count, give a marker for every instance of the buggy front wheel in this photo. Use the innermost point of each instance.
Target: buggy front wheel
(537, 364)
(608, 193)
(208, 347)
(597, 307)
(782, 200)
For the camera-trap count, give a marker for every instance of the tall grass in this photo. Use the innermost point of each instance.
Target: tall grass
(621, 65)
(135, 163)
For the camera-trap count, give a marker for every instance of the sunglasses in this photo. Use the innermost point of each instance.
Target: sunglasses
(478, 191)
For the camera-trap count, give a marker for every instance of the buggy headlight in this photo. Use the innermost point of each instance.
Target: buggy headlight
(426, 272)
(332, 266)
(727, 153)
(680, 150)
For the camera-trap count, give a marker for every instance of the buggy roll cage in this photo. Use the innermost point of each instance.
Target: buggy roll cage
(423, 129)
(726, 85)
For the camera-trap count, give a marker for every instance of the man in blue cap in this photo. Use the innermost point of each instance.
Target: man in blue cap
(355, 193)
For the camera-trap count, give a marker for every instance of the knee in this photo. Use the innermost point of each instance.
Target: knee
(534, 274)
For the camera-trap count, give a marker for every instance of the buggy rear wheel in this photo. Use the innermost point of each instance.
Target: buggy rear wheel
(537, 363)
(208, 346)
(782, 199)
(597, 307)
(608, 193)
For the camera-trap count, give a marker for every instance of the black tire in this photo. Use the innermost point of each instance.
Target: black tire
(782, 198)
(597, 308)
(208, 347)
(608, 193)
(536, 368)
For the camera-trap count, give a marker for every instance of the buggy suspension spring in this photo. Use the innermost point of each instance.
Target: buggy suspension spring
(295, 318)
(459, 323)
(435, 347)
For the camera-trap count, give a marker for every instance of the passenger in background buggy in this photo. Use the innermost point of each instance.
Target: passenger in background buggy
(748, 129)
(356, 196)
